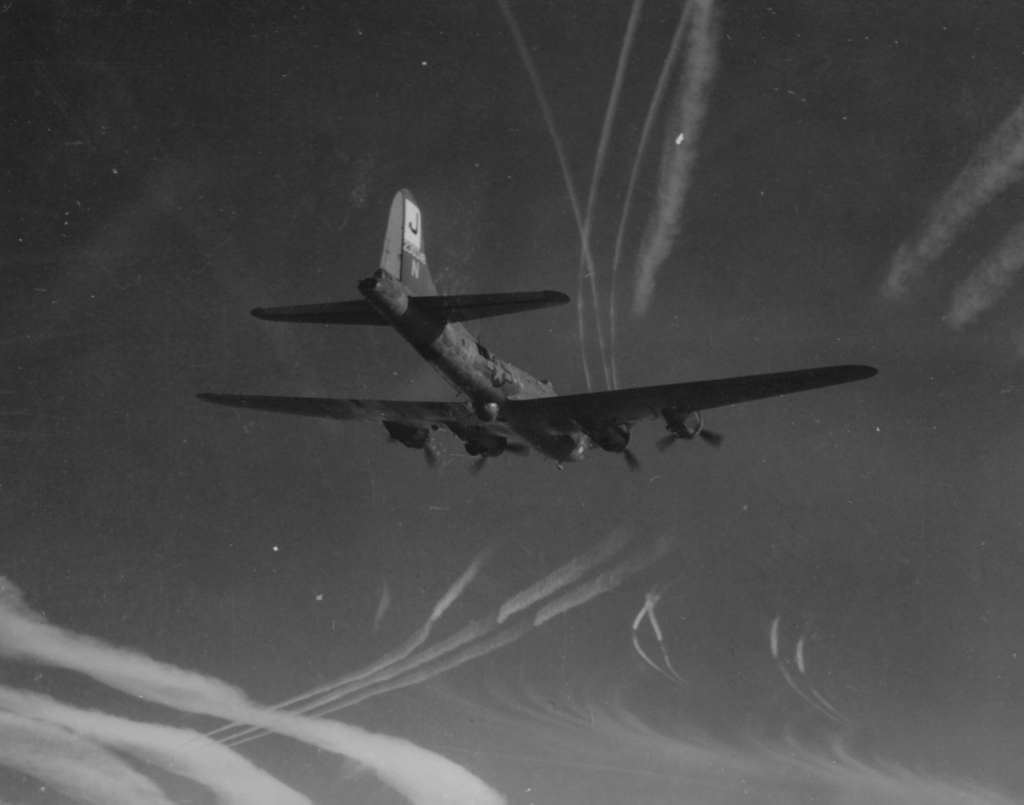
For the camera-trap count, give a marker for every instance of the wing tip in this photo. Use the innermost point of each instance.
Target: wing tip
(217, 399)
(860, 372)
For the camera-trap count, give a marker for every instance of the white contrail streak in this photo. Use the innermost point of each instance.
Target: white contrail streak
(476, 646)
(567, 573)
(679, 158)
(641, 150)
(989, 282)
(814, 699)
(608, 580)
(232, 778)
(347, 682)
(382, 607)
(998, 163)
(563, 161)
(647, 610)
(440, 656)
(72, 764)
(424, 777)
(595, 181)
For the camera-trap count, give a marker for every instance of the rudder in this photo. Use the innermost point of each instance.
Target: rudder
(404, 256)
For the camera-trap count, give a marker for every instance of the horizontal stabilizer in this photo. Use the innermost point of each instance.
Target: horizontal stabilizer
(445, 309)
(356, 312)
(483, 306)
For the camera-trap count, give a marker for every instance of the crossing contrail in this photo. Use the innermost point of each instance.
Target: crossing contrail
(423, 777)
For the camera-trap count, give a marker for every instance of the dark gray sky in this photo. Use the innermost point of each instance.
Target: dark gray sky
(168, 166)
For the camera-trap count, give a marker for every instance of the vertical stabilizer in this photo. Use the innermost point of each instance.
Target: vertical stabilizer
(404, 256)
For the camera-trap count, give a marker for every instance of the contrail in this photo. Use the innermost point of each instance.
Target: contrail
(232, 778)
(641, 150)
(478, 647)
(989, 282)
(567, 573)
(650, 604)
(73, 765)
(680, 152)
(994, 166)
(424, 777)
(549, 119)
(377, 677)
(408, 647)
(595, 181)
(607, 581)
(326, 701)
(382, 607)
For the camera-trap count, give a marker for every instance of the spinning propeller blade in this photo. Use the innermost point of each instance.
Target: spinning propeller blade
(712, 437)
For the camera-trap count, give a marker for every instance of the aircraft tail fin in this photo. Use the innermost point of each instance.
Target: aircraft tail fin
(404, 256)
(405, 260)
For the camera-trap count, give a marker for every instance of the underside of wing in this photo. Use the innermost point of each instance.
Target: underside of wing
(625, 406)
(413, 413)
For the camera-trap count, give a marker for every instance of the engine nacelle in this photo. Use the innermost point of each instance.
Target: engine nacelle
(613, 438)
(486, 444)
(684, 424)
(487, 412)
(409, 435)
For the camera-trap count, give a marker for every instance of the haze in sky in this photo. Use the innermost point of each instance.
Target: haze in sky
(823, 609)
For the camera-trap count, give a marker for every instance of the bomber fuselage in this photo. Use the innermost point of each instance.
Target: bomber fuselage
(473, 371)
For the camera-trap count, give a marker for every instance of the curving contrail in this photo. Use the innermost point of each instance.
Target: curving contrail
(680, 152)
(233, 779)
(994, 166)
(73, 765)
(424, 777)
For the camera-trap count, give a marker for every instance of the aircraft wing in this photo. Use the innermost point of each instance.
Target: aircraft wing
(411, 413)
(625, 406)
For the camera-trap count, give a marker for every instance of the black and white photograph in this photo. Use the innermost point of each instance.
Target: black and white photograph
(511, 402)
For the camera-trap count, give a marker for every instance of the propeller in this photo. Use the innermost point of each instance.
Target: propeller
(712, 437)
(631, 460)
(665, 442)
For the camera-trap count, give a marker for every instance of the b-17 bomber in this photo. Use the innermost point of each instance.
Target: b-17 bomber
(501, 407)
